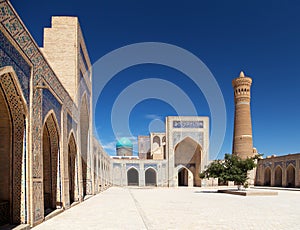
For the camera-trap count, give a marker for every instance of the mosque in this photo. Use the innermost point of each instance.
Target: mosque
(173, 158)
(50, 160)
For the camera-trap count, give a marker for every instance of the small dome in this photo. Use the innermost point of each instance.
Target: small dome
(124, 142)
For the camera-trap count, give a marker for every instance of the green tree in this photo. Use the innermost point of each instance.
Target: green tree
(232, 168)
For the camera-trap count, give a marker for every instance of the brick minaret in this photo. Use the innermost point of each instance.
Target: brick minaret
(242, 137)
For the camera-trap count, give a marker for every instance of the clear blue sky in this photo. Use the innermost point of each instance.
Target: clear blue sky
(262, 38)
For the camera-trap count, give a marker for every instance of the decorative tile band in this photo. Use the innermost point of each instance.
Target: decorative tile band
(187, 124)
(280, 163)
(288, 162)
(137, 166)
(9, 56)
(50, 102)
(146, 166)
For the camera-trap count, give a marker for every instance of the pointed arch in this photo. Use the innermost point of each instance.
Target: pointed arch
(278, 176)
(13, 133)
(156, 140)
(51, 163)
(132, 177)
(290, 176)
(184, 176)
(72, 168)
(50, 116)
(267, 176)
(9, 70)
(188, 153)
(150, 177)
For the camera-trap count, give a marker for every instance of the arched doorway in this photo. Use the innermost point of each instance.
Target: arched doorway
(132, 177)
(278, 177)
(188, 154)
(12, 138)
(84, 135)
(72, 153)
(150, 177)
(50, 164)
(183, 177)
(290, 176)
(267, 177)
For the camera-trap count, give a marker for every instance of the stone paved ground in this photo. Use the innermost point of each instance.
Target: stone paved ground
(179, 208)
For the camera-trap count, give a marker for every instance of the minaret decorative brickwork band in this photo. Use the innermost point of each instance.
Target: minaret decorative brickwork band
(242, 137)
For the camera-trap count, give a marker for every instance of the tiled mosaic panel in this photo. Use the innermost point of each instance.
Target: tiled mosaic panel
(71, 124)
(38, 201)
(187, 124)
(37, 130)
(146, 166)
(179, 136)
(280, 163)
(9, 56)
(293, 162)
(17, 112)
(84, 88)
(50, 102)
(129, 165)
(41, 70)
(55, 157)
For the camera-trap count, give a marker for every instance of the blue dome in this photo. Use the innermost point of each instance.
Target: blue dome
(124, 142)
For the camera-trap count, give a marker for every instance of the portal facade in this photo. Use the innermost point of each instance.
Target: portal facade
(170, 159)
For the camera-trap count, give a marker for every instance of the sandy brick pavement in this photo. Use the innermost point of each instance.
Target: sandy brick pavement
(179, 208)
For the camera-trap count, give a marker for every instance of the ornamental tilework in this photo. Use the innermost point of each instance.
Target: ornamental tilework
(37, 197)
(9, 56)
(280, 163)
(267, 164)
(137, 166)
(17, 112)
(187, 124)
(288, 162)
(196, 136)
(71, 124)
(146, 166)
(37, 130)
(84, 88)
(16, 48)
(41, 70)
(50, 102)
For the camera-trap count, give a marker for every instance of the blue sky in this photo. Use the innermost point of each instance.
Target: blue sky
(262, 38)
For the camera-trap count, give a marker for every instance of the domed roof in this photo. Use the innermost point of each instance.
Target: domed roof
(124, 142)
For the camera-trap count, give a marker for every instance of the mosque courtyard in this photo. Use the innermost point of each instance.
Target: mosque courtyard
(179, 208)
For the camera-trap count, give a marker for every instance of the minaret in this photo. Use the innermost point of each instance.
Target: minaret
(242, 137)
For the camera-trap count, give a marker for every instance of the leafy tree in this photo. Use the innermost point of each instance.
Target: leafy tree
(232, 168)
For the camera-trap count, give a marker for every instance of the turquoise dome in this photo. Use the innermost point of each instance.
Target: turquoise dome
(124, 142)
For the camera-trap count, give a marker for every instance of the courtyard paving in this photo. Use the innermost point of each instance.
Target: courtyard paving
(179, 208)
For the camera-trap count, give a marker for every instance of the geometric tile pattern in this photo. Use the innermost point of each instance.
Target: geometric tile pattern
(288, 162)
(129, 165)
(146, 166)
(71, 124)
(9, 56)
(17, 113)
(280, 163)
(50, 102)
(47, 93)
